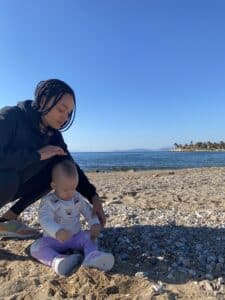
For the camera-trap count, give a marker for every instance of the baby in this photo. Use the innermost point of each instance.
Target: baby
(59, 216)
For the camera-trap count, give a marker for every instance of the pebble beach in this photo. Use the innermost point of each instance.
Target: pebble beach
(165, 228)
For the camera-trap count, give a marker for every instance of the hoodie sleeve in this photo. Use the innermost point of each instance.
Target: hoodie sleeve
(85, 188)
(17, 159)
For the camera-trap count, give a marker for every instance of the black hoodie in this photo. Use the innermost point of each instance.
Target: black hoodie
(21, 137)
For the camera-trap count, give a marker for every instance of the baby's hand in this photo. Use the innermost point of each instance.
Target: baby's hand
(95, 231)
(63, 235)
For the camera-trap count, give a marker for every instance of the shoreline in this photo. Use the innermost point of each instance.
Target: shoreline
(133, 170)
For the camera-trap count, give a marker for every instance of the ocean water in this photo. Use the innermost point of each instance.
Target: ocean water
(150, 160)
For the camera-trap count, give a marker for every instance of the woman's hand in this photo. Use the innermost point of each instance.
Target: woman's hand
(98, 209)
(50, 151)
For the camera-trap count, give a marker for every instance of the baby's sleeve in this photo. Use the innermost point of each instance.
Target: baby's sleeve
(46, 217)
(86, 211)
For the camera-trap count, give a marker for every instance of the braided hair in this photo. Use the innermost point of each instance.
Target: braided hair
(53, 89)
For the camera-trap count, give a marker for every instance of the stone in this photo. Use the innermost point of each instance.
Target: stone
(141, 274)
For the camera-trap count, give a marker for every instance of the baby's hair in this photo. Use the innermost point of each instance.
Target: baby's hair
(67, 167)
(54, 88)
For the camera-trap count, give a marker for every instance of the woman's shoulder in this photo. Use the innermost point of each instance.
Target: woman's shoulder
(9, 111)
(17, 110)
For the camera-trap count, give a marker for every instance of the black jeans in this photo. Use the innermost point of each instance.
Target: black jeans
(27, 186)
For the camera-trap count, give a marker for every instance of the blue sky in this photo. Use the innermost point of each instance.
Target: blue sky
(146, 74)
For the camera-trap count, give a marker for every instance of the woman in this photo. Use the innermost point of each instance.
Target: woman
(31, 143)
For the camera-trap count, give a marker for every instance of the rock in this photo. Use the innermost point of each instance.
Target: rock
(137, 265)
(174, 265)
(221, 280)
(192, 272)
(220, 259)
(153, 261)
(184, 261)
(219, 267)
(210, 267)
(170, 276)
(141, 274)
(123, 256)
(211, 259)
(205, 284)
(198, 247)
(51, 292)
(209, 276)
(158, 288)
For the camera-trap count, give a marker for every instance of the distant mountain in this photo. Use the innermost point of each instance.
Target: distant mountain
(129, 150)
(139, 150)
(144, 150)
(164, 149)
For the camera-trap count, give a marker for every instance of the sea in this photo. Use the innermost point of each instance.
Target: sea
(147, 160)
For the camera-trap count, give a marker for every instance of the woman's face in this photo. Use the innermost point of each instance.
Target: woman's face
(59, 114)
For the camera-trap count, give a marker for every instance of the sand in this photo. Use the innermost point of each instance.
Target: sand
(164, 221)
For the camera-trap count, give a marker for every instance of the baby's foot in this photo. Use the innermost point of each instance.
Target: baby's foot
(101, 260)
(63, 265)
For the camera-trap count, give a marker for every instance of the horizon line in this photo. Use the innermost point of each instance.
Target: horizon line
(125, 150)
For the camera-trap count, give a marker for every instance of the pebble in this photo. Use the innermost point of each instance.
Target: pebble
(124, 256)
(221, 259)
(170, 276)
(158, 288)
(141, 274)
(192, 272)
(209, 276)
(137, 265)
(205, 284)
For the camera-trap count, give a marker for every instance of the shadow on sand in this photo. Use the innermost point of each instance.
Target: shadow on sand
(171, 254)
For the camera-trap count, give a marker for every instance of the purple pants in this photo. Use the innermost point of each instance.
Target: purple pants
(46, 249)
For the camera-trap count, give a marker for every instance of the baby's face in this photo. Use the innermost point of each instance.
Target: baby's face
(65, 187)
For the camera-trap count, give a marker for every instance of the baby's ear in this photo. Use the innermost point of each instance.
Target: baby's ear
(77, 182)
(53, 185)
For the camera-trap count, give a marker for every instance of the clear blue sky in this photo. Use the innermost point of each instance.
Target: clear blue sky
(146, 73)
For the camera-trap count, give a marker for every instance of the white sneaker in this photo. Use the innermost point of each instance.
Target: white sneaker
(63, 265)
(101, 260)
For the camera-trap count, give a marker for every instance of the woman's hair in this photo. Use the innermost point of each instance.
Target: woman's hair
(54, 89)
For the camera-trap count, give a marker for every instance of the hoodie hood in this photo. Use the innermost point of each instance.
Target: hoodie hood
(33, 116)
(30, 113)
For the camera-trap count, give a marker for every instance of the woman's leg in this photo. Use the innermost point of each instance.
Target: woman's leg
(32, 190)
(9, 184)
(29, 191)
